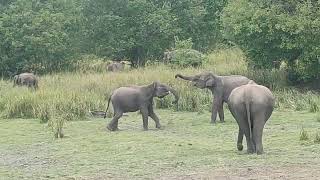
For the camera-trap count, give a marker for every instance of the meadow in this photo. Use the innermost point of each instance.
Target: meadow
(187, 147)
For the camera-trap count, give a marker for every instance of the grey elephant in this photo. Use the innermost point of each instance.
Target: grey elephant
(134, 98)
(26, 79)
(115, 66)
(220, 86)
(251, 105)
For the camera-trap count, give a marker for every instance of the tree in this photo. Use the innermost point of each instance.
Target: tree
(35, 35)
(269, 30)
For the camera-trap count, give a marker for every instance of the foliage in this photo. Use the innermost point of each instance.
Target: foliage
(271, 31)
(141, 29)
(36, 35)
(73, 95)
(187, 57)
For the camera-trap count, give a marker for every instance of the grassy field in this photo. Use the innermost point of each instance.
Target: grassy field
(188, 147)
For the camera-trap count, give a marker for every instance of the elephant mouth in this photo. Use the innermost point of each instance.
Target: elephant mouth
(163, 95)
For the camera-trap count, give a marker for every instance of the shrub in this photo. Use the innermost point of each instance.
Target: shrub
(304, 135)
(187, 57)
(317, 138)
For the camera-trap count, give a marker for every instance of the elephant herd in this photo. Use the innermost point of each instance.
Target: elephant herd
(249, 103)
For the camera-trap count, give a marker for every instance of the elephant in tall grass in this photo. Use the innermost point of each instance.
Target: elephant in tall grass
(220, 86)
(26, 79)
(115, 66)
(134, 98)
(251, 105)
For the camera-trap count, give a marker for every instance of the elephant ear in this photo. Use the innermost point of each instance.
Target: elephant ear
(210, 82)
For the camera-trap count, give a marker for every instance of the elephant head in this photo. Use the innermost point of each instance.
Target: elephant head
(161, 90)
(202, 80)
(16, 80)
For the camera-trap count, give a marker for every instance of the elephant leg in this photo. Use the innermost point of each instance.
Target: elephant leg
(145, 114)
(221, 114)
(216, 105)
(240, 139)
(154, 117)
(241, 117)
(257, 132)
(113, 125)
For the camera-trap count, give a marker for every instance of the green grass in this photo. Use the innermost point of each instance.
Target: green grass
(187, 146)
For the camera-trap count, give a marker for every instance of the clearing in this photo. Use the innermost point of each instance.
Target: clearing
(188, 147)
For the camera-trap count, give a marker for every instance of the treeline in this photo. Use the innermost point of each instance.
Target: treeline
(49, 35)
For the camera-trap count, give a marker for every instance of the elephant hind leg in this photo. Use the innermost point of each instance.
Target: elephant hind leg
(240, 115)
(259, 122)
(113, 125)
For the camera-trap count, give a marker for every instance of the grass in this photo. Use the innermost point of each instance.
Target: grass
(188, 147)
(73, 94)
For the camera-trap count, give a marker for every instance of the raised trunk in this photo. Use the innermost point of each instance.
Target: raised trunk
(188, 78)
(176, 95)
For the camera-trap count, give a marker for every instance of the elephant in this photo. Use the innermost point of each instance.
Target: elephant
(134, 98)
(251, 105)
(220, 86)
(116, 66)
(26, 79)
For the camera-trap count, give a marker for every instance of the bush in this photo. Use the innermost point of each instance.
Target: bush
(274, 31)
(187, 57)
(304, 135)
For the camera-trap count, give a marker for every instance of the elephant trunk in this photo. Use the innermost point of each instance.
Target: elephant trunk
(176, 95)
(188, 78)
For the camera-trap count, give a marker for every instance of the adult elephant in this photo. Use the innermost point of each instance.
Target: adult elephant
(251, 105)
(134, 98)
(220, 86)
(26, 79)
(115, 66)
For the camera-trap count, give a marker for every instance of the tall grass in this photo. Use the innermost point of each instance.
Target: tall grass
(71, 95)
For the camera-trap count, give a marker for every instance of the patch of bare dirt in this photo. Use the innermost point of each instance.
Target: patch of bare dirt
(301, 172)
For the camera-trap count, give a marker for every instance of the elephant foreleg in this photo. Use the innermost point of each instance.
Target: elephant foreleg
(221, 114)
(240, 139)
(154, 117)
(216, 105)
(145, 114)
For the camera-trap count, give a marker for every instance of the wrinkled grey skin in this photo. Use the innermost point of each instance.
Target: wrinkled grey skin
(115, 66)
(251, 105)
(26, 79)
(220, 86)
(134, 98)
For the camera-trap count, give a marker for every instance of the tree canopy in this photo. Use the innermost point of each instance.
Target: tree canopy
(48, 35)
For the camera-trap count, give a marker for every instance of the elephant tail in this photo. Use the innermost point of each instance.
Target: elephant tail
(105, 114)
(248, 116)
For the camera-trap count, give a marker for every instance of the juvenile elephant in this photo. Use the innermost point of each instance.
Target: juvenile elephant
(251, 105)
(220, 86)
(116, 66)
(134, 98)
(26, 79)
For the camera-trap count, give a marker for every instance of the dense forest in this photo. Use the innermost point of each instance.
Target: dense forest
(49, 35)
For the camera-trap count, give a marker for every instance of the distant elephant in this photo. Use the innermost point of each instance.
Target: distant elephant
(220, 86)
(116, 66)
(26, 79)
(134, 98)
(251, 105)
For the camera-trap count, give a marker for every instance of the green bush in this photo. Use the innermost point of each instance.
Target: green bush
(274, 31)
(187, 57)
(304, 135)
